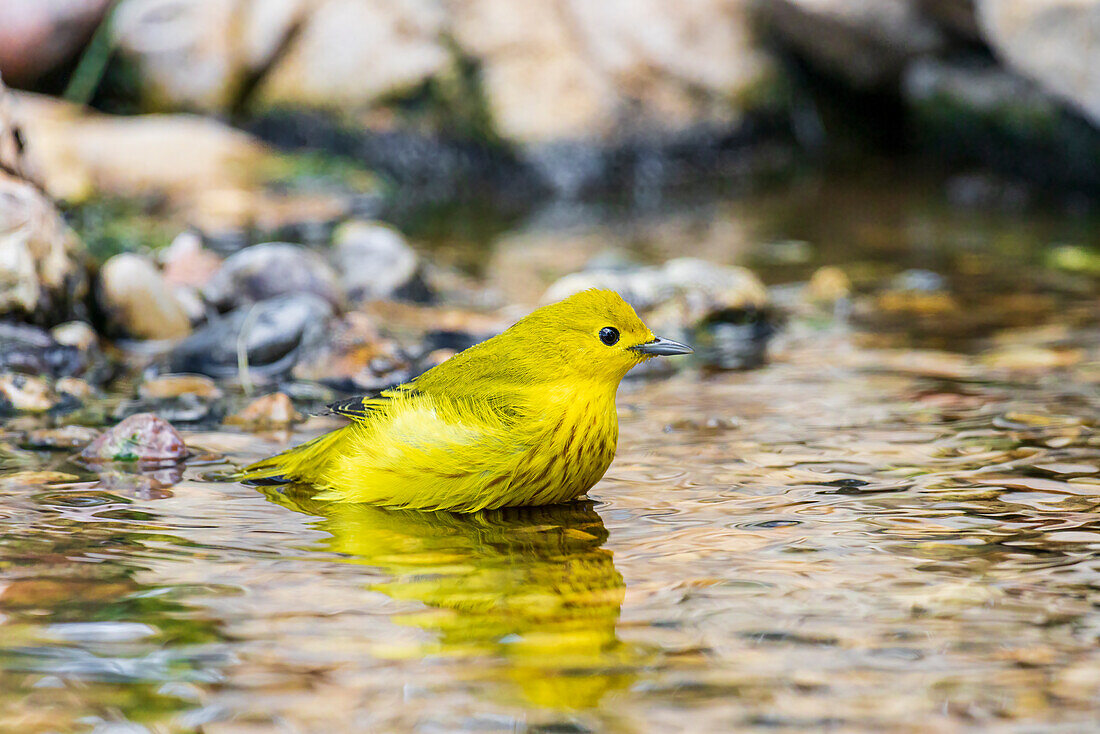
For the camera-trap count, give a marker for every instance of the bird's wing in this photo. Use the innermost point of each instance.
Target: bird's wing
(362, 407)
(429, 452)
(503, 400)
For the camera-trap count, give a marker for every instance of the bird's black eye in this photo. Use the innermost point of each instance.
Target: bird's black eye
(609, 335)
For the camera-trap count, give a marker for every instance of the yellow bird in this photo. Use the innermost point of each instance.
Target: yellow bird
(525, 418)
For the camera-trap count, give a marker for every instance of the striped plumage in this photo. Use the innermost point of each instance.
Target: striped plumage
(525, 418)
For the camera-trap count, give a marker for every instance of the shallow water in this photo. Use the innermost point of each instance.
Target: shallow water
(862, 536)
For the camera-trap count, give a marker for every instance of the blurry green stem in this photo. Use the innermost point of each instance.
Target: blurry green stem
(93, 62)
(242, 351)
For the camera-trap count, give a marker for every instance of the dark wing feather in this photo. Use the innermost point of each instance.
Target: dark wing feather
(358, 407)
(361, 407)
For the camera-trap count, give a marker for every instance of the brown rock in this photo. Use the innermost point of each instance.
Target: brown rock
(79, 334)
(550, 69)
(172, 386)
(25, 394)
(574, 69)
(1078, 681)
(538, 80)
(690, 62)
(385, 48)
(183, 49)
(188, 263)
(138, 301)
(243, 212)
(24, 479)
(78, 153)
(141, 437)
(42, 271)
(196, 53)
(74, 386)
(352, 346)
(267, 412)
(41, 259)
(411, 320)
(66, 437)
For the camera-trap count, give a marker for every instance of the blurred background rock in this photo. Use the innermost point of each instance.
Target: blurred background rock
(452, 97)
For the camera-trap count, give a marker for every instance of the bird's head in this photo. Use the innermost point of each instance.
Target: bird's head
(593, 334)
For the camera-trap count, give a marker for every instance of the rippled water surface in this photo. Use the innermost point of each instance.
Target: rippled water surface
(862, 536)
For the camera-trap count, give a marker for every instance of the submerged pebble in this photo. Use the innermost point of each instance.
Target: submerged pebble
(65, 437)
(21, 479)
(141, 437)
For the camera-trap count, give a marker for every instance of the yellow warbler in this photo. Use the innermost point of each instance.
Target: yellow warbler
(525, 418)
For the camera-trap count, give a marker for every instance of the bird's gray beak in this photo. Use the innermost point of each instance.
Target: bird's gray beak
(661, 347)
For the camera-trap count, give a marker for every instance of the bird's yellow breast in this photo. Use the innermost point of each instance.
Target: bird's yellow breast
(428, 454)
(573, 451)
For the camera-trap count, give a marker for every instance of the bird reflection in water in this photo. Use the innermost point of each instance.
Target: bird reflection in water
(531, 588)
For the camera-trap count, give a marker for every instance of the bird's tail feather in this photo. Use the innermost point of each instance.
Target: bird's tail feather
(300, 463)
